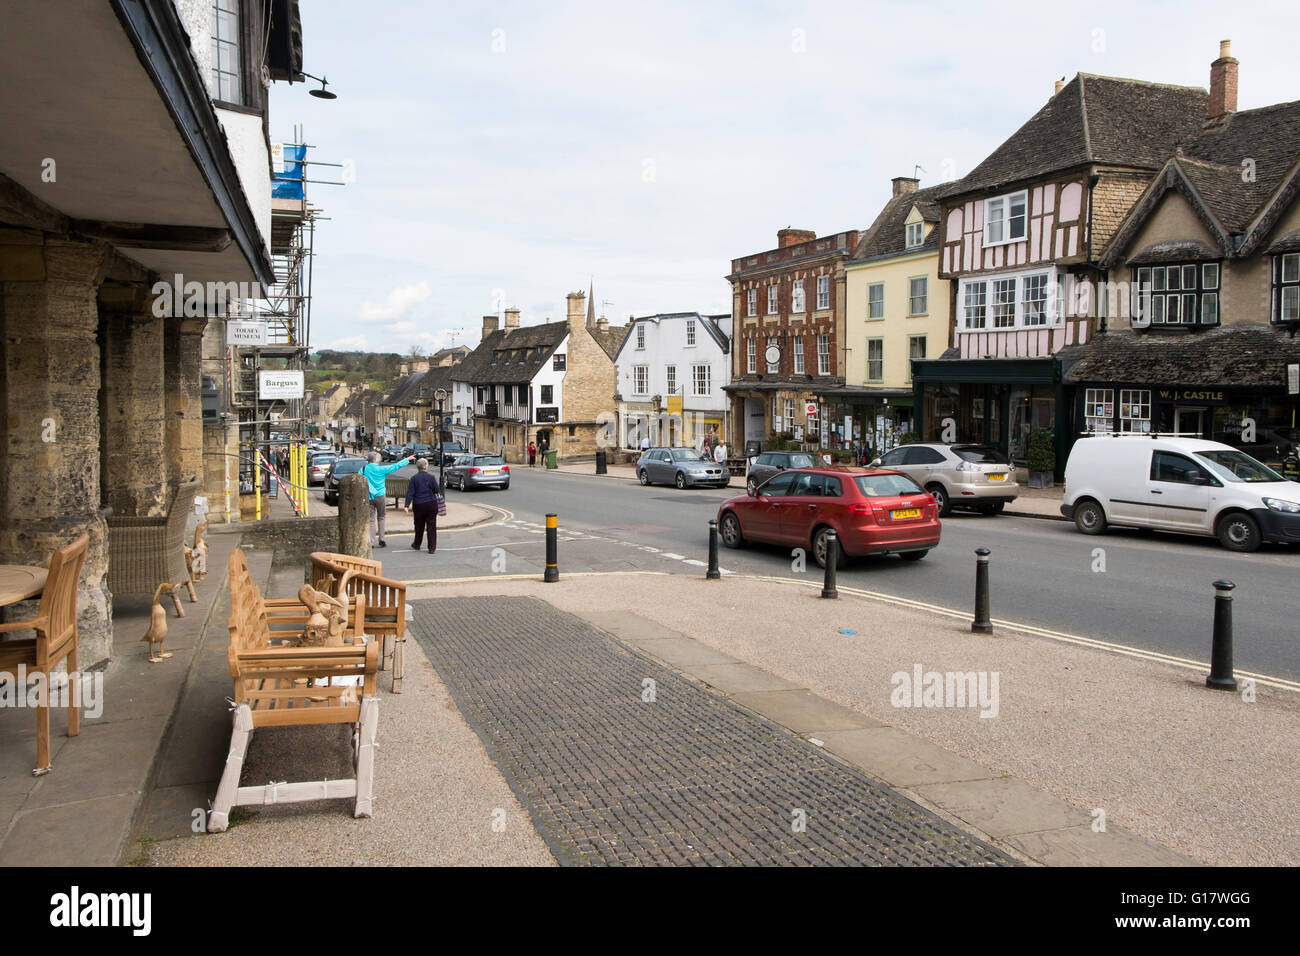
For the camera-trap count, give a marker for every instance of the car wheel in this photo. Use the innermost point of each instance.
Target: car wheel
(644, 476)
(1089, 517)
(993, 508)
(913, 555)
(462, 483)
(940, 498)
(681, 480)
(1239, 532)
(819, 549)
(729, 529)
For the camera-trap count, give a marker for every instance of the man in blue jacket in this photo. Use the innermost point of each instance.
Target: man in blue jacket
(375, 479)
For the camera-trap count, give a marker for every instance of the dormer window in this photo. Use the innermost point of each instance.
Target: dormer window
(1286, 287)
(1181, 294)
(1005, 218)
(915, 234)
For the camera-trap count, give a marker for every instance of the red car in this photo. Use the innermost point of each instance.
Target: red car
(873, 511)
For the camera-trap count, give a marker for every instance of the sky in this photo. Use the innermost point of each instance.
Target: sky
(502, 155)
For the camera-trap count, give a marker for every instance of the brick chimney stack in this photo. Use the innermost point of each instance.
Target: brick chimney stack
(1060, 85)
(789, 237)
(512, 319)
(577, 311)
(1223, 82)
(489, 325)
(904, 185)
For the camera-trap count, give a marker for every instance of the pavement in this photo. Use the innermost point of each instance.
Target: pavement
(1029, 503)
(767, 700)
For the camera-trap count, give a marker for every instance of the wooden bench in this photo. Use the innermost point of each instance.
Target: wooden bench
(385, 602)
(278, 685)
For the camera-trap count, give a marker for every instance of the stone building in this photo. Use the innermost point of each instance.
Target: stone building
(134, 199)
(788, 335)
(551, 382)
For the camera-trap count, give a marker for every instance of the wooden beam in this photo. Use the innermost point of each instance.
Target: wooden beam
(18, 207)
(140, 235)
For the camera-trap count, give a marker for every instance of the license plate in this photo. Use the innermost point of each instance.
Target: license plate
(490, 471)
(997, 477)
(905, 513)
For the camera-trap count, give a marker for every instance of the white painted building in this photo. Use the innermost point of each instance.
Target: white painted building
(672, 369)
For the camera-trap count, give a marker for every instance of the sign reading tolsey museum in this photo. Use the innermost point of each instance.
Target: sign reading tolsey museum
(283, 384)
(245, 333)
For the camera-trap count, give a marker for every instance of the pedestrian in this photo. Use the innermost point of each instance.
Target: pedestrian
(645, 444)
(532, 454)
(720, 453)
(423, 492)
(375, 480)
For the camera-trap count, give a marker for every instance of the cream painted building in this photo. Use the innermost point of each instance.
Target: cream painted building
(896, 310)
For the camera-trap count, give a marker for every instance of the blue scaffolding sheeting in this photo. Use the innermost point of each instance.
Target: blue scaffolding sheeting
(289, 184)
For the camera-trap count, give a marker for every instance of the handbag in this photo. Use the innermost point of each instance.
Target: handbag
(442, 504)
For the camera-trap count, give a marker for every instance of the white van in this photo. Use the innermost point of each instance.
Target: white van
(1179, 484)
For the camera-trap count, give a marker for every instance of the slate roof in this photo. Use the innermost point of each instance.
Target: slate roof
(708, 322)
(496, 360)
(887, 236)
(611, 339)
(1094, 119)
(1236, 354)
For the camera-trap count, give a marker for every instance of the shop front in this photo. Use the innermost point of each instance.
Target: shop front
(864, 419)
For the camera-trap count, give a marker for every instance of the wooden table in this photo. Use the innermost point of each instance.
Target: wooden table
(18, 582)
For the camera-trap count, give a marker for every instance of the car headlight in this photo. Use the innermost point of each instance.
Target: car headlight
(1277, 504)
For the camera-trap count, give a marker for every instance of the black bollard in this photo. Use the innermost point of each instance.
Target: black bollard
(552, 549)
(713, 573)
(1221, 652)
(982, 624)
(602, 462)
(832, 559)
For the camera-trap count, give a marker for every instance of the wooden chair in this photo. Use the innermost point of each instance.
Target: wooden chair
(385, 601)
(143, 552)
(280, 685)
(55, 625)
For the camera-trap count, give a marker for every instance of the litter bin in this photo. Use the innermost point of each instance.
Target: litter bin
(550, 459)
(602, 463)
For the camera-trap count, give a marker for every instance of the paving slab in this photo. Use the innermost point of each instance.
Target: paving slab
(170, 812)
(87, 833)
(803, 711)
(686, 653)
(631, 627)
(1080, 846)
(109, 759)
(1003, 807)
(900, 759)
(740, 678)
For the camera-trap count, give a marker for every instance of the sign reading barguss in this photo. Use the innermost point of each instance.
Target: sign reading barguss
(286, 384)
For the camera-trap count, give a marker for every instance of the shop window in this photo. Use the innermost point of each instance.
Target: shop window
(1099, 409)
(1134, 410)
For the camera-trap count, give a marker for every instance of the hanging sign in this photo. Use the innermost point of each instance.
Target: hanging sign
(283, 384)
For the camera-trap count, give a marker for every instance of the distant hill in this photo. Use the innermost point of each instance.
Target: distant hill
(367, 365)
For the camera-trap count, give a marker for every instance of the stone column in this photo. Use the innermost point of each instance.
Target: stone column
(134, 401)
(49, 389)
(183, 380)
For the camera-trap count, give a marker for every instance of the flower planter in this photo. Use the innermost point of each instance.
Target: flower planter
(1040, 479)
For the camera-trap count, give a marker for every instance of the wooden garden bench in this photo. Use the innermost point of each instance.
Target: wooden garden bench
(385, 602)
(55, 625)
(272, 690)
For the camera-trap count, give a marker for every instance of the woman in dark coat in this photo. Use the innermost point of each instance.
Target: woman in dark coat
(422, 491)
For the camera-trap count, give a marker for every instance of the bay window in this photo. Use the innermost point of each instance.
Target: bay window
(1025, 300)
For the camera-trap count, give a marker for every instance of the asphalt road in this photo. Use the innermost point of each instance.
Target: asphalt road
(1155, 591)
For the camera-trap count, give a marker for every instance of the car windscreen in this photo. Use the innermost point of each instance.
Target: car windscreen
(980, 454)
(322, 459)
(802, 461)
(348, 466)
(1237, 466)
(489, 460)
(685, 454)
(886, 486)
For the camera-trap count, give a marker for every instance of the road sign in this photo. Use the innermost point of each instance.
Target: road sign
(447, 420)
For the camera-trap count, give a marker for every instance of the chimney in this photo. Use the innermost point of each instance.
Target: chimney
(904, 185)
(489, 325)
(602, 324)
(789, 237)
(403, 370)
(420, 366)
(512, 319)
(1223, 82)
(1060, 85)
(577, 317)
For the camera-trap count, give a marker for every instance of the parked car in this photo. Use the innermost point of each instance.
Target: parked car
(420, 450)
(770, 463)
(348, 465)
(477, 471)
(872, 511)
(966, 475)
(680, 466)
(319, 444)
(319, 465)
(391, 452)
(1188, 485)
(451, 450)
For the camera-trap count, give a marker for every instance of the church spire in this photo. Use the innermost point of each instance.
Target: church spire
(591, 306)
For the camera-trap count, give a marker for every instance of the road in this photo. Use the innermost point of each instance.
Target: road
(1147, 591)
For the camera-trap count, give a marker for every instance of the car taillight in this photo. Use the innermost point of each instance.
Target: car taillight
(859, 509)
(475, 471)
(506, 469)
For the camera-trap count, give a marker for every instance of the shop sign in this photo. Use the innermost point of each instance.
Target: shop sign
(1191, 395)
(810, 410)
(1293, 379)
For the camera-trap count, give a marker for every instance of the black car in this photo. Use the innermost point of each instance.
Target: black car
(343, 466)
(419, 450)
(451, 450)
(771, 462)
(392, 453)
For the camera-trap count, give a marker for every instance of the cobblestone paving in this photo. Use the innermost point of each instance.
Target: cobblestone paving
(689, 778)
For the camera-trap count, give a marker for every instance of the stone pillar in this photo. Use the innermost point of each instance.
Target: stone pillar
(134, 403)
(49, 389)
(183, 380)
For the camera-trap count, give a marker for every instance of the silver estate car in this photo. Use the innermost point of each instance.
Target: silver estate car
(477, 471)
(958, 476)
(680, 466)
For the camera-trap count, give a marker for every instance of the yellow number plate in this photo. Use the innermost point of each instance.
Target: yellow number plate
(905, 513)
(997, 477)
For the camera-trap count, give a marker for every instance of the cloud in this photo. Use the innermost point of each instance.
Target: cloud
(351, 343)
(395, 304)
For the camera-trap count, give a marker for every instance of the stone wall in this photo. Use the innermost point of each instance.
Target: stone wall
(292, 539)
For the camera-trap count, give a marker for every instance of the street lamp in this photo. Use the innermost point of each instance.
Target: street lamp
(440, 396)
